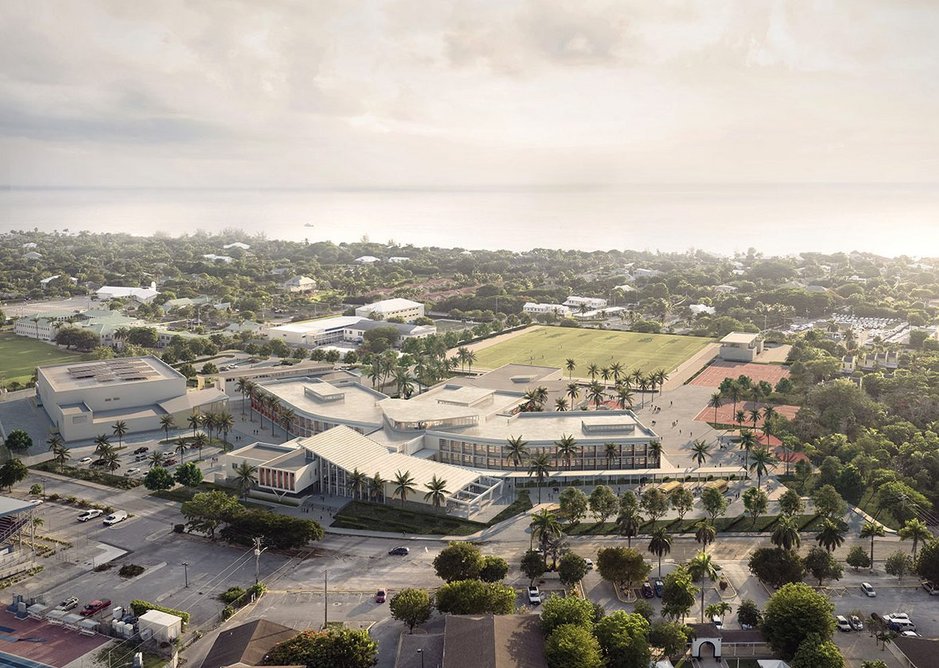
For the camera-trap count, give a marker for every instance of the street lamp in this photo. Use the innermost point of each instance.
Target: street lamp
(420, 653)
(186, 572)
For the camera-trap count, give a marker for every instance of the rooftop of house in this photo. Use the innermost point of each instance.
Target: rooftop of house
(740, 337)
(247, 644)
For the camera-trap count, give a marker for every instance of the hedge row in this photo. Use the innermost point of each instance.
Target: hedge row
(140, 607)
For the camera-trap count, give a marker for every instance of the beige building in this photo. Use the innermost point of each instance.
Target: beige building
(299, 284)
(741, 346)
(386, 309)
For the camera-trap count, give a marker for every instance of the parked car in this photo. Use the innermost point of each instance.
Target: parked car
(930, 588)
(534, 596)
(90, 515)
(141, 449)
(868, 590)
(381, 596)
(717, 621)
(659, 587)
(131, 471)
(910, 634)
(169, 462)
(34, 502)
(68, 604)
(856, 623)
(589, 563)
(842, 623)
(900, 625)
(647, 591)
(95, 607)
(99, 462)
(85, 460)
(115, 517)
(399, 551)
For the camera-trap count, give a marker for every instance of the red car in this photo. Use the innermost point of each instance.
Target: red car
(94, 607)
(381, 596)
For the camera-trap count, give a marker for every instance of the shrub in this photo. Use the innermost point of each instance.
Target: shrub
(232, 594)
(130, 570)
(140, 607)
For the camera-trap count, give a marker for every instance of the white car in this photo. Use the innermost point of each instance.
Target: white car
(34, 502)
(90, 515)
(534, 596)
(85, 460)
(868, 590)
(589, 563)
(843, 624)
(115, 517)
(131, 471)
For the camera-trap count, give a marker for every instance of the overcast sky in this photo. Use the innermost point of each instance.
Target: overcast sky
(439, 93)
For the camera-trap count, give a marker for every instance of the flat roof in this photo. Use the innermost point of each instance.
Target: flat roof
(9, 505)
(358, 404)
(194, 399)
(108, 373)
(393, 304)
(740, 337)
(349, 450)
(322, 324)
(289, 461)
(547, 427)
(261, 451)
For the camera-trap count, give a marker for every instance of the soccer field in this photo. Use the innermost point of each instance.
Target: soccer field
(553, 346)
(20, 356)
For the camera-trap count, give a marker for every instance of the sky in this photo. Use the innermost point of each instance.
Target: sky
(467, 94)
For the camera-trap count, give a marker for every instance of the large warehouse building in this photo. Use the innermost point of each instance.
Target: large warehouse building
(86, 399)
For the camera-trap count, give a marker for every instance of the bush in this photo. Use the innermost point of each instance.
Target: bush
(558, 610)
(231, 595)
(130, 570)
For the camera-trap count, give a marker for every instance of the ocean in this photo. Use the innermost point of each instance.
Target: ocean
(774, 219)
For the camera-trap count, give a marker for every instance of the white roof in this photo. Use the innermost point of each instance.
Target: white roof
(236, 244)
(740, 337)
(349, 450)
(321, 325)
(367, 259)
(159, 618)
(389, 305)
(10, 505)
(120, 291)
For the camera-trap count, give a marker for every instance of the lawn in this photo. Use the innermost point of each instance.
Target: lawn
(20, 356)
(552, 346)
(378, 517)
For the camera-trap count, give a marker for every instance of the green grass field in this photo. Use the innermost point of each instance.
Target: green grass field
(552, 346)
(20, 356)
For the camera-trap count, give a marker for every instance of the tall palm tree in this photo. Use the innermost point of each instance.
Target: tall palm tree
(120, 430)
(376, 487)
(616, 370)
(274, 409)
(830, 536)
(544, 526)
(470, 359)
(915, 530)
(734, 392)
(755, 415)
(715, 402)
(566, 449)
(763, 459)
(560, 404)
(786, 533)
(516, 450)
(701, 568)
(700, 451)
(596, 393)
(654, 453)
(593, 370)
(195, 421)
(605, 374)
(872, 530)
(404, 485)
(768, 414)
(242, 386)
(541, 394)
(624, 398)
(643, 385)
(225, 423)
(570, 365)
(167, 422)
(661, 375)
(287, 416)
(741, 417)
(437, 493)
(539, 465)
(628, 523)
(111, 460)
(747, 443)
(199, 442)
(704, 532)
(245, 477)
(612, 453)
(573, 392)
(253, 393)
(660, 544)
(209, 422)
(156, 459)
(356, 482)
(102, 444)
(181, 449)
(60, 455)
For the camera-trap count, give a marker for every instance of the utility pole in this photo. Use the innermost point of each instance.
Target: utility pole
(325, 598)
(186, 572)
(257, 559)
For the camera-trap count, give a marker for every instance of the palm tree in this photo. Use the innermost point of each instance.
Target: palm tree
(605, 374)
(573, 392)
(700, 451)
(768, 414)
(404, 383)
(733, 393)
(376, 487)
(111, 461)
(654, 452)
(356, 481)
(718, 610)
(741, 417)
(643, 385)
(596, 393)
(715, 402)
(830, 536)
(701, 568)
(624, 398)
(661, 375)
(274, 410)
(592, 371)
(242, 386)
(570, 365)
(704, 532)
(167, 422)
(181, 449)
(253, 393)
(566, 449)
(195, 421)
(755, 414)
(60, 454)
(747, 443)
(199, 442)
(544, 526)
(516, 450)
(872, 530)
(660, 544)
(225, 422)
(470, 359)
(762, 460)
(540, 467)
(120, 430)
(560, 404)
(915, 530)
(616, 370)
(628, 523)
(786, 533)
(209, 421)
(156, 459)
(245, 477)
(404, 485)
(437, 493)
(102, 444)
(287, 416)
(612, 453)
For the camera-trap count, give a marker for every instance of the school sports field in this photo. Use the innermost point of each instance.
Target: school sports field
(553, 346)
(20, 356)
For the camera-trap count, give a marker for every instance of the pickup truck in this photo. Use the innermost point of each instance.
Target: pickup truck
(95, 607)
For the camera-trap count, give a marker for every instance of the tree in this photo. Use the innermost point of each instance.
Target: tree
(857, 558)
(544, 527)
(915, 530)
(404, 485)
(411, 606)
(572, 569)
(473, 597)
(120, 430)
(872, 530)
(828, 502)
(715, 402)
(167, 422)
(333, 648)
(679, 593)
(714, 503)
(156, 459)
(792, 613)
(660, 544)
(790, 503)
(624, 640)
(704, 532)
(188, 475)
(700, 451)
(573, 503)
(603, 502)
(437, 491)
(18, 439)
(701, 567)
(566, 449)
(927, 564)
(559, 610)
(822, 565)
(571, 646)
(755, 501)
(532, 566)
(776, 566)
(158, 478)
(12, 472)
(540, 467)
(901, 500)
(654, 502)
(786, 533)
(494, 569)
(899, 564)
(516, 450)
(873, 664)
(206, 511)
(195, 421)
(458, 561)
(682, 501)
(814, 652)
(830, 536)
(357, 481)
(762, 460)
(245, 477)
(621, 565)
(749, 614)
(670, 637)
(718, 610)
